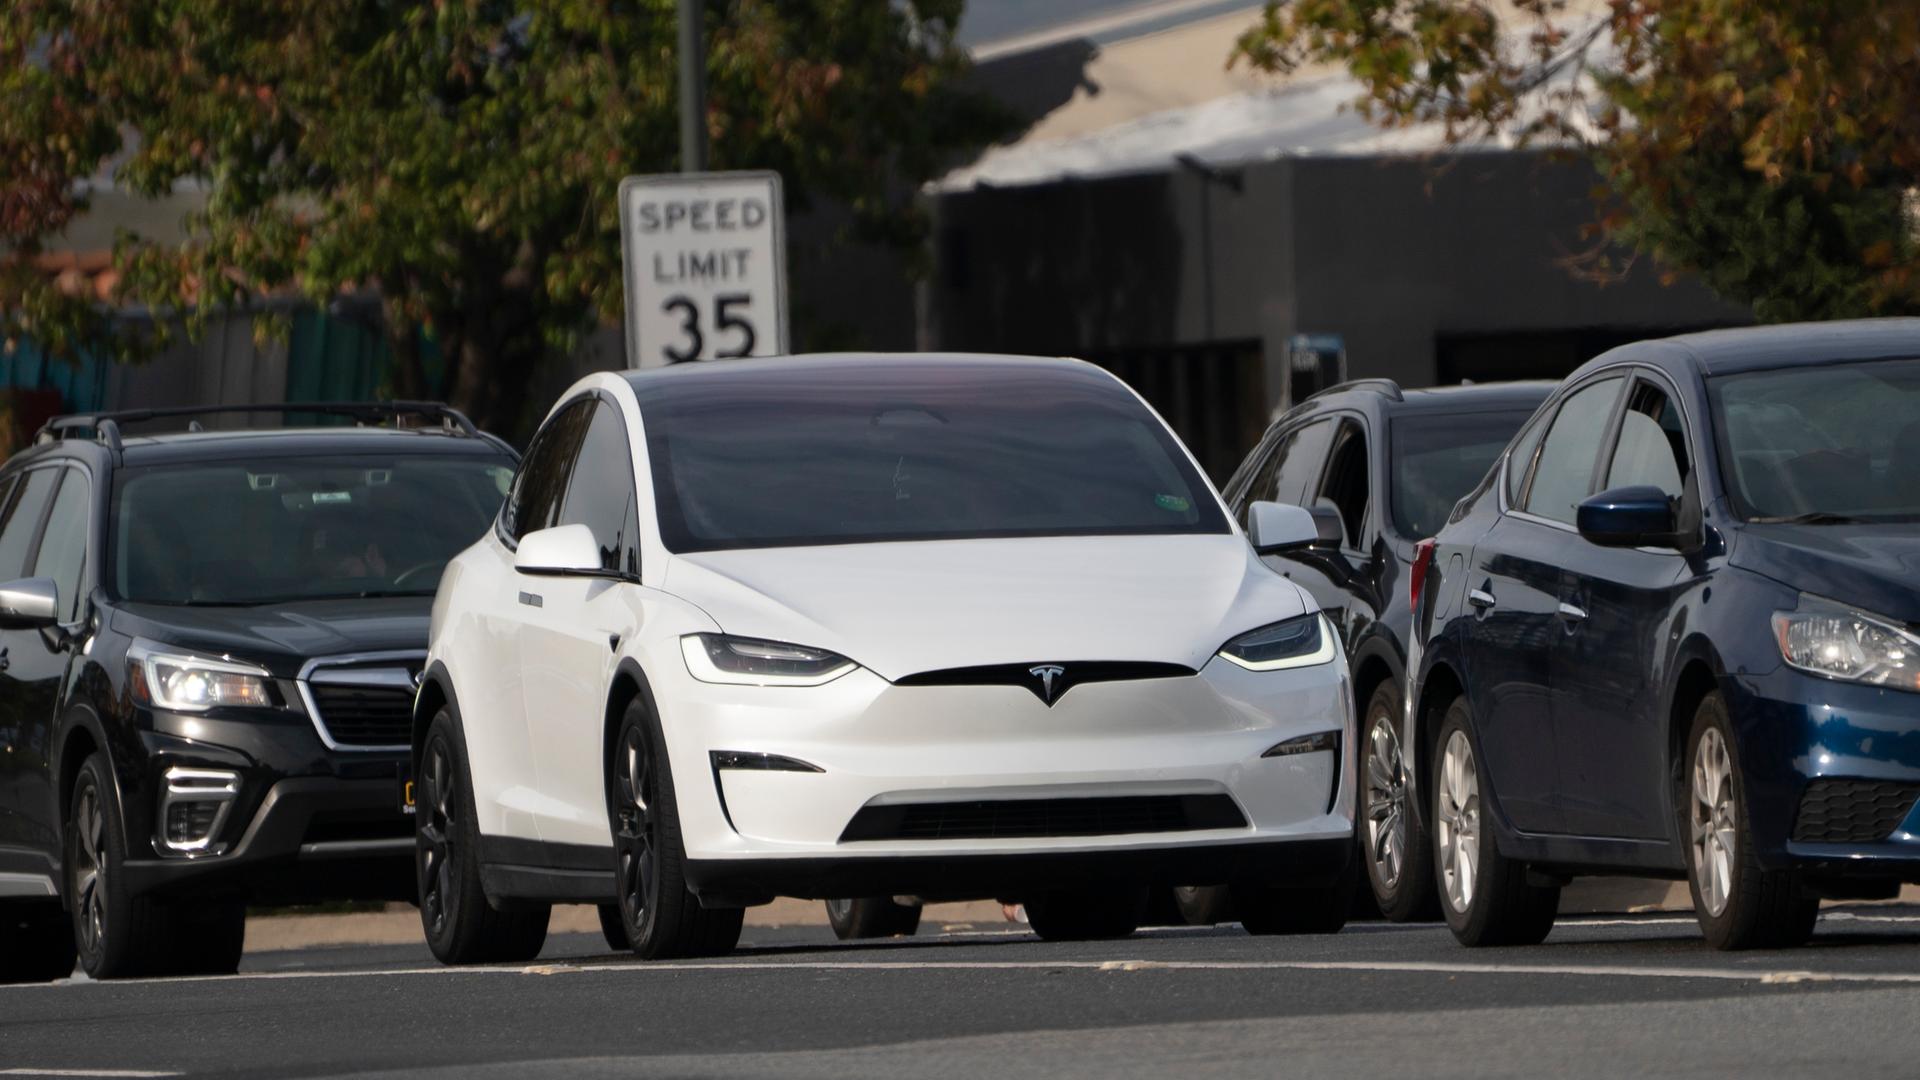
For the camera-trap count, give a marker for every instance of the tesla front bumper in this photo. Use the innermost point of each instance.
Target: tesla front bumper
(863, 787)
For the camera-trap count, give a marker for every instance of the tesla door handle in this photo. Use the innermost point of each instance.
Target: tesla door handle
(1572, 612)
(1480, 598)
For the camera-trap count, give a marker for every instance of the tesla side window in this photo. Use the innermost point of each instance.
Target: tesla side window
(913, 453)
(23, 518)
(1345, 485)
(534, 503)
(63, 549)
(600, 494)
(1564, 474)
(1831, 442)
(1653, 443)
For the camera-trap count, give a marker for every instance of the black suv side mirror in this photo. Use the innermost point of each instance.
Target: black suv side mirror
(1331, 529)
(1638, 516)
(29, 604)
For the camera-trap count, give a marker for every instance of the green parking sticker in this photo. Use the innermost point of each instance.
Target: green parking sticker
(1171, 502)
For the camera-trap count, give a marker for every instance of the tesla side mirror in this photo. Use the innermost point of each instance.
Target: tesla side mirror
(1637, 516)
(562, 551)
(1275, 527)
(29, 604)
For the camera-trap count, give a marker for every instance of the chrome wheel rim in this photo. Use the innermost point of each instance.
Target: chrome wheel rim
(435, 840)
(635, 826)
(90, 870)
(1459, 822)
(1713, 821)
(1386, 832)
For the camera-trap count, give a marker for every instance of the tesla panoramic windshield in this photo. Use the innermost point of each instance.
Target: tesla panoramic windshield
(306, 528)
(1822, 444)
(916, 451)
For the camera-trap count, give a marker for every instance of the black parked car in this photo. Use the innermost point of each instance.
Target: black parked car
(209, 643)
(1381, 467)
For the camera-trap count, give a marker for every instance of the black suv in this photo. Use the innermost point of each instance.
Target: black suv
(1380, 468)
(209, 643)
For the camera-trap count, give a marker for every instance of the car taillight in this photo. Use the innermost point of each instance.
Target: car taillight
(1417, 577)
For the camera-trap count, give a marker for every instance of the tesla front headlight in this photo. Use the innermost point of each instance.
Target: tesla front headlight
(187, 683)
(1303, 641)
(1828, 638)
(739, 661)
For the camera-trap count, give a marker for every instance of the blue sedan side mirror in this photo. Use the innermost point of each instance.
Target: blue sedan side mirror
(1638, 516)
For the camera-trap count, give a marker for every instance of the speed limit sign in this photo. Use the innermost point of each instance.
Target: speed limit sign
(705, 258)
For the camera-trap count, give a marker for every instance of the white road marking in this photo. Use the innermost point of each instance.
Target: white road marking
(1443, 967)
(136, 1073)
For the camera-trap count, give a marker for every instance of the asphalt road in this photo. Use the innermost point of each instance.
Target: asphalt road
(1602, 998)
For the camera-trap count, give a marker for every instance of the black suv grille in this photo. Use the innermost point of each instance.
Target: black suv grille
(997, 819)
(1853, 811)
(365, 703)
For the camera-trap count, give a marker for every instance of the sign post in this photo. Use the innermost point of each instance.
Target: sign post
(705, 262)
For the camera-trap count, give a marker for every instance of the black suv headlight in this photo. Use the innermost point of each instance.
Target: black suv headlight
(1302, 641)
(185, 682)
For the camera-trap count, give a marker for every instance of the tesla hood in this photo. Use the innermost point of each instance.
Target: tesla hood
(903, 608)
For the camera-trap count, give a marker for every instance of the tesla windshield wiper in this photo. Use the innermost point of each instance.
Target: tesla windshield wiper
(1811, 517)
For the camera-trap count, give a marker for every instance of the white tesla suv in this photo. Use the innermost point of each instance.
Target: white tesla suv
(944, 626)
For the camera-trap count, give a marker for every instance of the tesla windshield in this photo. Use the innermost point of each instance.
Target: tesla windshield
(306, 528)
(1438, 458)
(1826, 444)
(925, 450)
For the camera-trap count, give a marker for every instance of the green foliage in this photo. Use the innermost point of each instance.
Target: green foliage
(1768, 146)
(460, 158)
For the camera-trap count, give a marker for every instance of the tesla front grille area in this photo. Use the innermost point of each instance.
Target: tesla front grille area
(990, 819)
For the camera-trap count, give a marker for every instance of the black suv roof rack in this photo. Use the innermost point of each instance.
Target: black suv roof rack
(104, 427)
(1385, 387)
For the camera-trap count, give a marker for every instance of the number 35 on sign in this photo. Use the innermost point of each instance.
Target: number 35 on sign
(705, 257)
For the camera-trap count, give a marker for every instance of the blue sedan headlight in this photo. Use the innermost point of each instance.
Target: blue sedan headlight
(1827, 638)
(1303, 641)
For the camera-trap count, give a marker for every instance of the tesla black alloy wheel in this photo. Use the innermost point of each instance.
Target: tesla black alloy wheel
(461, 926)
(662, 918)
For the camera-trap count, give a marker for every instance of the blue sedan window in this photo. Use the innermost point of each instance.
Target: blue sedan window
(1827, 441)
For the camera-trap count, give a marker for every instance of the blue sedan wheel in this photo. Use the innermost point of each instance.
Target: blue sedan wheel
(1739, 904)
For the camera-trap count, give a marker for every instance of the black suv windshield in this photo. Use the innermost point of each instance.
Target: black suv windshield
(276, 530)
(1825, 444)
(927, 450)
(1437, 458)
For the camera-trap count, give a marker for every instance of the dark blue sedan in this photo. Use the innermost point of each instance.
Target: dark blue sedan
(1676, 631)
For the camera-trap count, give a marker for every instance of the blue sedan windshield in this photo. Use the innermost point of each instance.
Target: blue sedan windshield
(1833, 442)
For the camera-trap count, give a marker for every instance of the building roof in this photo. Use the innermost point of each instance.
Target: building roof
(1148, 101)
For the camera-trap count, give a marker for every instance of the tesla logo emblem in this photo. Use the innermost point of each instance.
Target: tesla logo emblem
(1046, 673)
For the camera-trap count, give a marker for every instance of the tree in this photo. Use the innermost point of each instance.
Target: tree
(459, 158)
(1769, 146)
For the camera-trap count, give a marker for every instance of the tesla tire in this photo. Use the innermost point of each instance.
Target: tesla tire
(1396, 855)
(1485, 896)
(662, 918)
(1739, 905)
(872, 917)
(462, 927)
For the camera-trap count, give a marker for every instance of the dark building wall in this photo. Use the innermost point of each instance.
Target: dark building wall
(1408, 260)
